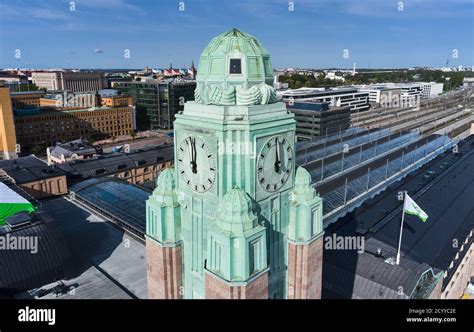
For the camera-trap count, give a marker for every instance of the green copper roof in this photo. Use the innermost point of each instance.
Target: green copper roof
(253, 64)
(164, 192)
(302, 178)
(233, 41)
(235, 213)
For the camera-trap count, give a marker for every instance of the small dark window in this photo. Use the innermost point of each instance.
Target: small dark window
(235, 66)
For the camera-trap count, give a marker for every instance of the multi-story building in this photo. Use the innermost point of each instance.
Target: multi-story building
(71, 81)
(381, 95)
(8, 145)
(399, 94)
(157, 102)
(468, 82)
(27, 99)
(14, 80)
(137, 167)
(431, 89)
(339, 97)
(410, 94)
(317, 119)
(65, 100)
(48, 126)
(34, 176)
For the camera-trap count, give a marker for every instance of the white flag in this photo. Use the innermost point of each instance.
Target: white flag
(411, 207)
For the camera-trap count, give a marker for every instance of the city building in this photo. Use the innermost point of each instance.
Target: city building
(468, 82)
(78, 149)
(319, 119)
(137, 167)
(67, 100)
(339, 97)
(48, 126)
(334, 77)
(14, 80)
(45, 119)
(431, 89)
(27, 99)
(410, 95)
(234, 225)
(70, 81)
(115, 78)
(400, 94)
(34, 176)
(381, 95)
(8, 144)
(157, 102)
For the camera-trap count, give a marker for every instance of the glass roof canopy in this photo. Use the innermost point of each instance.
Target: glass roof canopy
(121, 202)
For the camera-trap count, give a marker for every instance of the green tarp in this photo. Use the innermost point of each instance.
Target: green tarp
(12, 203)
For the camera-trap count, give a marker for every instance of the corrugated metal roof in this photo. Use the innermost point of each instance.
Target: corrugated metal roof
(24, 269)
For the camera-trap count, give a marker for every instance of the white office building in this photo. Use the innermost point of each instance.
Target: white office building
(336, 97)
(431, 89)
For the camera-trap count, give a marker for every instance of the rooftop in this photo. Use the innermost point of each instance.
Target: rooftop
(117, 162)
(22, 93)
(29, 169)
(317, 91)
(106, 262)
(78, 147)
(37, 262)
(425, 246)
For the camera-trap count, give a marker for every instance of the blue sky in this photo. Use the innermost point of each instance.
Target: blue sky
(313, 35)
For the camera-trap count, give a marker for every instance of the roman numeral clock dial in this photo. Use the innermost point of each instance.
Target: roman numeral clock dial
(196, 164)
(274, 163)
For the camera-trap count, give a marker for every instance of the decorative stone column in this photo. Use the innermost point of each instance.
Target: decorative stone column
(237, 253)
(305, 240)
(163, 240)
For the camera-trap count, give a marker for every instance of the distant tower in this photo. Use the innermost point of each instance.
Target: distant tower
(236, 220)
(354, 69)
(193, 70)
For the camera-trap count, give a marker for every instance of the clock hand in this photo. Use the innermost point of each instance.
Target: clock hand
(194, 164)
(192, 157)
(277, 155)
(190, 150)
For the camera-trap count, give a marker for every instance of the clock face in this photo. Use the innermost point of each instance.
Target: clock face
(196, 164)
(274, 163)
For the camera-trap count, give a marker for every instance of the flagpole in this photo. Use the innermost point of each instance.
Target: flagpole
(401, 230)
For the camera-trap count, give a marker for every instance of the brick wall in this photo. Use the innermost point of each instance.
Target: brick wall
(217, 288)
(164, 271)
(305, 269)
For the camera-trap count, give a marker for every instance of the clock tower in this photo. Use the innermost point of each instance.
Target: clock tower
(242, 224)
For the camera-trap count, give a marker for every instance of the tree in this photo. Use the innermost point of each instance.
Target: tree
(28, 87)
